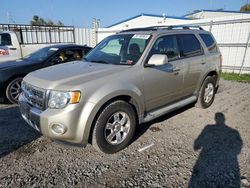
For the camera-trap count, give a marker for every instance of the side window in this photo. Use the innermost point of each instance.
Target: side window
(68, 55)
(78, 54)
(85, 51)
(166, 45)
(190, 45)
(210, 43)
(5, 39)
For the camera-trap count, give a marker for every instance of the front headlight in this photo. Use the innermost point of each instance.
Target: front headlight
(59, 100)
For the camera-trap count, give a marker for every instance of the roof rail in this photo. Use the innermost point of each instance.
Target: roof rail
(170, 27)
(185, 27)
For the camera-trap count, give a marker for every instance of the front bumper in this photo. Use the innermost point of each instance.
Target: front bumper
(77, 118)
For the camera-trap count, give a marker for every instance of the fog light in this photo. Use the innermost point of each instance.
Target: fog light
(59, 128)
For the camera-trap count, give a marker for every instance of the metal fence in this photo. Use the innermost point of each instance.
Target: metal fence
(85, 36)
(233, 38)
(29, 34)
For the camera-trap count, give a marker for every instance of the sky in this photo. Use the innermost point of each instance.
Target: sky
(81, 12)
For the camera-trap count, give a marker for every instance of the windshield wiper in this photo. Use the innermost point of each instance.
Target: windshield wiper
(100, 61)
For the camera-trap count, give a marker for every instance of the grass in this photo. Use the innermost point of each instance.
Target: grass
(236, 77)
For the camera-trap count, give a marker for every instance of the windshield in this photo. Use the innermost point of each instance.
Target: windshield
(42, 54)
(123, 49)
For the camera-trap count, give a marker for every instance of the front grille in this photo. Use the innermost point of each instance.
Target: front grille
(34, 96)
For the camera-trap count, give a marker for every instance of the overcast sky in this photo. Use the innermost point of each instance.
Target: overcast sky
(80, 12)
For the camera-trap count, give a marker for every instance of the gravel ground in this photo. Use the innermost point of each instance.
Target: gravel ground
(188, 148)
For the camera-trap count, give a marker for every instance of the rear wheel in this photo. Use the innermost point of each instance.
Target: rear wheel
(13, 90)
(114, 127)
(207, 93)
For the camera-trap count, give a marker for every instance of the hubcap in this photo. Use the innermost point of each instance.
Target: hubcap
(15, 90)
(209, 92)
(117, 128)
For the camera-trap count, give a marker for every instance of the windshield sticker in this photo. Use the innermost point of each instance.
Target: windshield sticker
(141, 37)
(53, 49)
(4, 52)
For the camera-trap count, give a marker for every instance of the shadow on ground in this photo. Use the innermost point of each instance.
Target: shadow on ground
(217, 164)
(145, 126)
(14, 132)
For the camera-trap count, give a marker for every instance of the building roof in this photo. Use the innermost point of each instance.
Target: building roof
(222, 11)
(151, 15)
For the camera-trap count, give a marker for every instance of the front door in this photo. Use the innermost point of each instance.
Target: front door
(163, 84)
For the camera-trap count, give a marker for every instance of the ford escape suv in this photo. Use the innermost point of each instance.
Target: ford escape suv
(129, 78)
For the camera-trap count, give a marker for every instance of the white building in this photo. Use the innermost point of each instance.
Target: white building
(203, 14)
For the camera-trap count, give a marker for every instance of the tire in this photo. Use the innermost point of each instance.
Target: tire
(13, 90)
(114, 127)
(207, 93)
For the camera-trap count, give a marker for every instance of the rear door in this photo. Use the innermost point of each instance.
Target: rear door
(194, 61)
(163, 84)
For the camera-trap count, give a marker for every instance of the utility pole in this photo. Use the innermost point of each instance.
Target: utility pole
(96, 23)
(8, 17)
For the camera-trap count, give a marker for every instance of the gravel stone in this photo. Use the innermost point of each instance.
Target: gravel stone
(190, 149)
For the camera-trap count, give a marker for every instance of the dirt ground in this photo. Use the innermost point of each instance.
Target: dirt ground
(188, 148)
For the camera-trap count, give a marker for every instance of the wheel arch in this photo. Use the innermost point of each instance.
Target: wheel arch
(212, 73)
(127, 98)
(7, 82)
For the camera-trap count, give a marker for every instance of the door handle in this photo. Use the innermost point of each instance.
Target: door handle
(12, 48)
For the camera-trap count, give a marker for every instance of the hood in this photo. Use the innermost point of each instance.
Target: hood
(16, 63)
(70, 75)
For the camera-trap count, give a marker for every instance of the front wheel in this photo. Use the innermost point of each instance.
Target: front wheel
(13, 90)
(207, 93)
(114, 127)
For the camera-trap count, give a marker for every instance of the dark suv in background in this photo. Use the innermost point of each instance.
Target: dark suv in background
(12, 72)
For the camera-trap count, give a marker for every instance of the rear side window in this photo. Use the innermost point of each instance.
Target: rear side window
(190, 45)
(5, 39)
(210, 43)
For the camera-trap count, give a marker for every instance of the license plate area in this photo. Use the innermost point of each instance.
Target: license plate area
(31, 118)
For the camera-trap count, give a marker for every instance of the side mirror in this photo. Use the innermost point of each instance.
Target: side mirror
(157, 60)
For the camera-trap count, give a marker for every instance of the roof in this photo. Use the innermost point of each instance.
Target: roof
(151, 15)
(222, 11)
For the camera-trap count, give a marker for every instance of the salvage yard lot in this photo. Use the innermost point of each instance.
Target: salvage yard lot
(188, 148)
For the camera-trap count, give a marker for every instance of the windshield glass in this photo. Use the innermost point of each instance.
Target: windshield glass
(42, 54)
(124, 49)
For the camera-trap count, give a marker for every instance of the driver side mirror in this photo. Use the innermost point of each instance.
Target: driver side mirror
(157, 60)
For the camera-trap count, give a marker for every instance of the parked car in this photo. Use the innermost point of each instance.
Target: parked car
(18, 41)
(12, 72)
(129, 78)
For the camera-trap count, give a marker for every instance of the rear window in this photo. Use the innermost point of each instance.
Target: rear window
(190, 45)
(210, 43)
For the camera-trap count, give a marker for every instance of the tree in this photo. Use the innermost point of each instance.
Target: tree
(245, 8)
(41, 21)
